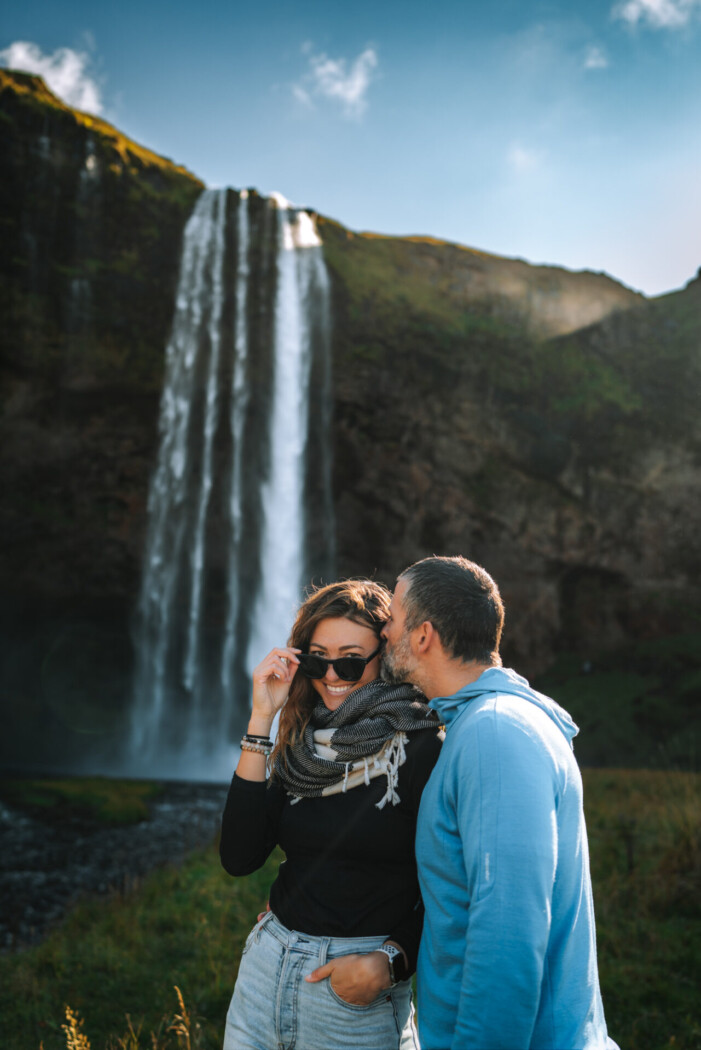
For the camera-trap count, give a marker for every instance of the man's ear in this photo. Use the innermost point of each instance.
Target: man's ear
(425, 634)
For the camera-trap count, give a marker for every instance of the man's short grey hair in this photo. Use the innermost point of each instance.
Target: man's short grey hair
(462, 602)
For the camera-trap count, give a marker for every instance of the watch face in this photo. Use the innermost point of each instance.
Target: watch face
(391, 952)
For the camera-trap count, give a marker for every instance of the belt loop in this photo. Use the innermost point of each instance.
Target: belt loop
(266, 918)
(323, 950)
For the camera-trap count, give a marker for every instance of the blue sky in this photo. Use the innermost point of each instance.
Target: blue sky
(564, 133)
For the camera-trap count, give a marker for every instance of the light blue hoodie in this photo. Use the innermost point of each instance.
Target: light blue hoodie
(508, 954)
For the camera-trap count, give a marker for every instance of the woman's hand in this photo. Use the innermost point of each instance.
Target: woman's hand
(271, 683)
(357, 979)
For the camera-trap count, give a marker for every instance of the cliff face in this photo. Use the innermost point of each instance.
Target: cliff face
(91, 233)
(91, 227)
(569, 465)
(539, 421)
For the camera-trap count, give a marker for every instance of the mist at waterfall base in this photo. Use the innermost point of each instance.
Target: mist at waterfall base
(240, 517)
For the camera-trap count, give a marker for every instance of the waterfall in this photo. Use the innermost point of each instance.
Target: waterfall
(300, 274)
(229, 543)
(239, 406)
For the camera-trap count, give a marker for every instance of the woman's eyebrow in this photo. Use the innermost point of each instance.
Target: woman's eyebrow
(341, 648)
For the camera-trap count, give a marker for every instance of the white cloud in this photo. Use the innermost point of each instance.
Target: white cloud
(522, 159)
(302, 95)
(595, 58)
(66, 72)
(660, 14)
(335, 79)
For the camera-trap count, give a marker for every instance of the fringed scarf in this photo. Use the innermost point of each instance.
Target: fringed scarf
(363, 738)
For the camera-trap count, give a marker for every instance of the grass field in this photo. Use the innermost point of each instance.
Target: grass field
(116, 963)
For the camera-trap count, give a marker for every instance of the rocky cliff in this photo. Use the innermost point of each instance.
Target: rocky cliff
(568, 464)
(540, 421)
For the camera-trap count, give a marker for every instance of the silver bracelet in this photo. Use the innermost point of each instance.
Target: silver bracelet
(260, 749)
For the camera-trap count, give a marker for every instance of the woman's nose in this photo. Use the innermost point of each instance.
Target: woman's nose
(331, 675)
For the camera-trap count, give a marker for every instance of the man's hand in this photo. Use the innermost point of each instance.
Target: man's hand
(357, 979)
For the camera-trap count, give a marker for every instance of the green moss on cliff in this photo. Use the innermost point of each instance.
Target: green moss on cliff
(384, 289)
(442, 311)
(33, 95)
(92, 225)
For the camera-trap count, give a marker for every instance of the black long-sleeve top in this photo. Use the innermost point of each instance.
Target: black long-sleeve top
(350, 869)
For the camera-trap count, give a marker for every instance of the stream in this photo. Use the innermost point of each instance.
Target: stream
(45, 866)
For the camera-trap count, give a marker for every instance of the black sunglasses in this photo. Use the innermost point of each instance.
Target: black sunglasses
(348, 668)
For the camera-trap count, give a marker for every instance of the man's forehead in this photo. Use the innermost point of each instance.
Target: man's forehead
(399, 592)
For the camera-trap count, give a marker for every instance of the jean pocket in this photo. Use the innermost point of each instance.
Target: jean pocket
(383, 997)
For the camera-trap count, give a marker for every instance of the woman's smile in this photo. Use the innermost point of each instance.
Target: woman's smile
(334, 695)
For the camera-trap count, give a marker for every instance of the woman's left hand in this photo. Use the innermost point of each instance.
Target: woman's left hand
(357, 979)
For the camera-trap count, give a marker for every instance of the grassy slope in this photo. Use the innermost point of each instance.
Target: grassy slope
(34, 92)
(606, 388)
(186, 927)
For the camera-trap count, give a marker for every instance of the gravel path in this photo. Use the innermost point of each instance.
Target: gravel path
(45, 867)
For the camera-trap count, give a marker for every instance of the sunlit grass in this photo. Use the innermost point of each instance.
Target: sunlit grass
(186, 927)
(33, 90)
(110, 801)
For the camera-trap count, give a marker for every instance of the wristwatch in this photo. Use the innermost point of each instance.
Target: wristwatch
(396, 962)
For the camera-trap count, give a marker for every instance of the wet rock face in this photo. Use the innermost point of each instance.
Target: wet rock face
(92, 226)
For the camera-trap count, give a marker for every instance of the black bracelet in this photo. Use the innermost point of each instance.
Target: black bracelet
(253, 738)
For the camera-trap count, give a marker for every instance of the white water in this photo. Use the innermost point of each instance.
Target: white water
(300, 269)
(198, 298)
(192, 662)
(239, 405)
(183, 701)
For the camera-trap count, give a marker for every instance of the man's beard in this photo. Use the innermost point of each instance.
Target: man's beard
(395, 665)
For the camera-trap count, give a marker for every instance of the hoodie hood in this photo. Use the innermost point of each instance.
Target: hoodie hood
(504, 681)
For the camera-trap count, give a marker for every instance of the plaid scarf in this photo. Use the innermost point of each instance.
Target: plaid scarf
(363, 724)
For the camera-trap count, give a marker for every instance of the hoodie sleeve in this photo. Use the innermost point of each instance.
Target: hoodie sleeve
(505, 800)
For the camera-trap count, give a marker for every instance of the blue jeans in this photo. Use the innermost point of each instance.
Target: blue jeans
(274, 1008)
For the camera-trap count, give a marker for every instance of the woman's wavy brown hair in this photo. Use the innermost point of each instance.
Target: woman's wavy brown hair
(362, 601)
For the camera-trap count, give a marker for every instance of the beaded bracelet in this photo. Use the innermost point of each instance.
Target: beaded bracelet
(260, 749)
(253, 738)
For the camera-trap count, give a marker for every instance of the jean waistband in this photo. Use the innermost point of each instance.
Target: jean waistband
(322, 947)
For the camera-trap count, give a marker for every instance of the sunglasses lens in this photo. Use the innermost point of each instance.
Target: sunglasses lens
(349, 668)
(312, 666)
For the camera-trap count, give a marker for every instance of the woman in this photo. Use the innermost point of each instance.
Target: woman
(328, 966)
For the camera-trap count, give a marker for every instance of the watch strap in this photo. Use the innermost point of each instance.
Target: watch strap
(392, 954)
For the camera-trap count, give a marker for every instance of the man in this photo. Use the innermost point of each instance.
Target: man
(508, 954)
